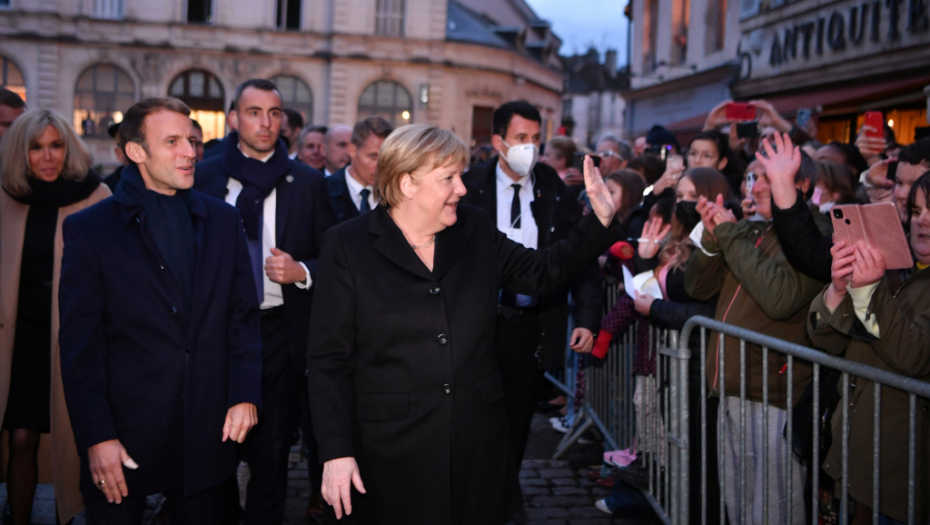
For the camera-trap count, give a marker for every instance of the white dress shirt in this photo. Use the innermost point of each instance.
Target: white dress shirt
(528, 233)
(292, 156)
(326, 172)
(273, 295)
(355, 191)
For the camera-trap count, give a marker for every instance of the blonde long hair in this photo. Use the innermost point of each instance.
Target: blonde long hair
(14, 150)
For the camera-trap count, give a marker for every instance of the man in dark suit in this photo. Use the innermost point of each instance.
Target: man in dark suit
(285, 211)
(532, 206)
(351, 189)
(160, 342)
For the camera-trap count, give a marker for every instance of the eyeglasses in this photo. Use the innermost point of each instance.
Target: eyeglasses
(608, 153)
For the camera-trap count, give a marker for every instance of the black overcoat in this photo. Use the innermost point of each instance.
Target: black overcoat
(339, 196)
(302, 216)
(556, 211)
(135, 366)
(402, 373)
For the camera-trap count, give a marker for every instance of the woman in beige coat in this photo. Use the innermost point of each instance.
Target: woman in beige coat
(45, 174)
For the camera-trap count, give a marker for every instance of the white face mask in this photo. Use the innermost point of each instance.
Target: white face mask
(522, 158)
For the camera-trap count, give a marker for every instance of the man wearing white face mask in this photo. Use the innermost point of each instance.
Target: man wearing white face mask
(532, 206)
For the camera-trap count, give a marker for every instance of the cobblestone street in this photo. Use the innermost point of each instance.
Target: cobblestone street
(555, 494)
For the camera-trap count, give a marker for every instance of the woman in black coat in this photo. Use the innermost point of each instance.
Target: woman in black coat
(404, 388)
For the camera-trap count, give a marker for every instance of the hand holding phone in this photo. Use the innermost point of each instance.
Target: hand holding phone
(578, 162)
(876, 125)
(878, 226)
(740, 111)
(674, 163)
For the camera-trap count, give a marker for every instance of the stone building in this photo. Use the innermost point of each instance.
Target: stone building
(593, 103)
(441, 62)
(684, 58)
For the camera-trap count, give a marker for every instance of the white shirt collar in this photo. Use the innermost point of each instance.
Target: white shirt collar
(264, 159)
(504, 181)
(355, 187)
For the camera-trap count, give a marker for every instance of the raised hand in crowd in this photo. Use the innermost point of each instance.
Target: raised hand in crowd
(653, 233)
(781, 164)
(870, 147)
(602, 204)
(717, 116)
(674, 167)
(713, 213)
(877, 175)
(770, 116)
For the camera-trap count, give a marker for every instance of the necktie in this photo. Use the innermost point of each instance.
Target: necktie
(515, 208)
(258, 263)
(364, 207)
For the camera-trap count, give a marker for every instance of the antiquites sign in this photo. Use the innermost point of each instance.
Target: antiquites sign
(836, 33)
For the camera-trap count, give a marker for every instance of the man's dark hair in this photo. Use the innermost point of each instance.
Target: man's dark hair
(197, 125)
(852, 154)
(11, 99)
(504, 114)
(131, 128)
(916, 152)
(294, 119)
(651, 165)
(318, 129)
(370, 126)
(257, 83)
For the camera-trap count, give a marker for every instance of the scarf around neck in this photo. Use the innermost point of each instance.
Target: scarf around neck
(59, 193)
(258, 179)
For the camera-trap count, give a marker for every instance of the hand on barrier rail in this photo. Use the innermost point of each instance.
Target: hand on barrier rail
(582, 340)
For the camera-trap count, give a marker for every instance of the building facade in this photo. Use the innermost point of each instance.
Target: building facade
(593, 103)
(441, 62)
(839, 58)
(684, 58)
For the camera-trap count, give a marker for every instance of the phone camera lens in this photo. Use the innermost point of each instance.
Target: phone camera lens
(838, 214)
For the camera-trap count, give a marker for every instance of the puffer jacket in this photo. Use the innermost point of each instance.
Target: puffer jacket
(759, 291)
(903, 347)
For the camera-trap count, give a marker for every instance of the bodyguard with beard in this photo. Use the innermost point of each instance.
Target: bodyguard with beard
(285, 211)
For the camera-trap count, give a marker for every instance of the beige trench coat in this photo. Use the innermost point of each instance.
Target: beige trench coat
(65, 463)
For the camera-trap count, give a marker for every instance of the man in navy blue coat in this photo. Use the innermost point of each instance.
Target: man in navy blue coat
(160, 340)
(351, 188)
(286, 211)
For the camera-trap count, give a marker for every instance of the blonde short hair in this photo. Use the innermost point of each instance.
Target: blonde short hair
(414, 148)
(14, 150)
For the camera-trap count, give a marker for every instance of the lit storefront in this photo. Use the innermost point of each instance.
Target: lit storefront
(840, 59)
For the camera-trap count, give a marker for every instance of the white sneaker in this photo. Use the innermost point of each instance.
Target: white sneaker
(601, 505)
(560, 424)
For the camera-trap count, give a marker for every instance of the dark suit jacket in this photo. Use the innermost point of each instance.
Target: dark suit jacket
(134, 368)
(402, 371)
(556, 211)
(302, 216)
(339, 196)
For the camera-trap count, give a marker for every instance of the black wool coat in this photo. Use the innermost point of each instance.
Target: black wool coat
(135, 366)
(556, 211)
(402, 372)
(339, 196)
(302, 216)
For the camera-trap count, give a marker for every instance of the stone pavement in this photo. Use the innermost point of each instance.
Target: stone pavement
(555, 494)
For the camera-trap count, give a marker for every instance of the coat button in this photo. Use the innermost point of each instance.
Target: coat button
(138, 221)
(443, 339)
(434, 290)
(447, 388)
(161, 267)
(173, 311)
(552, 229)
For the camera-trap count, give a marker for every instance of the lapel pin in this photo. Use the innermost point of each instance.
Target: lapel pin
(289, 178)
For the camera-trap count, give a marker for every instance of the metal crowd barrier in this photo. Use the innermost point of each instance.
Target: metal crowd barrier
(660, 435)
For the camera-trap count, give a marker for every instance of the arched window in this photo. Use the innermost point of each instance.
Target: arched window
(386, 99)
(102, 94)
(12, 78)
(295, 94)
(204, 94)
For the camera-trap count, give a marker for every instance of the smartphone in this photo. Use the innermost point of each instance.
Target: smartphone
(892, 170)
(578, 162)
(747, 130)
(662, 151)
(740, 111)
(878, 226)
(674, 163)
(875, 120)
(804, 116)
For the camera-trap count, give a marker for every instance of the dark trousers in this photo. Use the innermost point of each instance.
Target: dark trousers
(269, 443)
(207, 507)
(516, 345)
